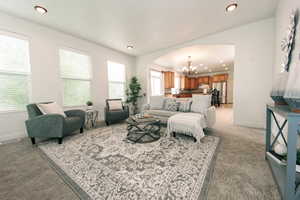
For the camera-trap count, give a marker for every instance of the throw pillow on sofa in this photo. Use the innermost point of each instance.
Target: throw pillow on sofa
(185, 106)
(200, 103)
(171, 106)
(167, 100)
(51, 108)
(115, 105)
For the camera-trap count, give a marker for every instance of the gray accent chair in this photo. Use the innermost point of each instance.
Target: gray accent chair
(114, 116)
(52, 125)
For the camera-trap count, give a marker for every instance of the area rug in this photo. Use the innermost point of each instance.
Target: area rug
(101, 164)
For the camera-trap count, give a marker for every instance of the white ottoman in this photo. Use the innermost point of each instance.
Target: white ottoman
(187, 123)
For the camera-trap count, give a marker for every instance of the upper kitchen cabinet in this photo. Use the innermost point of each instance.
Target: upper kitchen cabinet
(169, 79)
(220, 78)
(185, 83)
(203, 80)
(193, 83)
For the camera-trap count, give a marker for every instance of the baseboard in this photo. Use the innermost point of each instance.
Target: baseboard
(259, 125)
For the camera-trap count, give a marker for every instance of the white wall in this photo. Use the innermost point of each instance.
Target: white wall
(46, 82)
(254, 58)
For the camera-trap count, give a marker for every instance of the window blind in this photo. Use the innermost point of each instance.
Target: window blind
(116, 79)
(76, 75)
(14, 73)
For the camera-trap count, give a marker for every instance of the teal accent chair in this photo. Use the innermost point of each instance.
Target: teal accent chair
(52, 125)
(113, 116)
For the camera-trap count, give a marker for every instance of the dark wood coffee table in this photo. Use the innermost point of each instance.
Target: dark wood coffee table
(143, 130)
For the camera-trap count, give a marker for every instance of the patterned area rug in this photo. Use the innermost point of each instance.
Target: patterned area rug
(100, 164)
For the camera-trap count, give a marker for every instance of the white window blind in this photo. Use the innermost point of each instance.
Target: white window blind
(156, 83)
(14, 73)
(116, 80)
(76, 74)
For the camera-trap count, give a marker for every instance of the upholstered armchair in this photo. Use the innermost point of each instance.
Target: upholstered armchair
(115, 111)
(52, 125)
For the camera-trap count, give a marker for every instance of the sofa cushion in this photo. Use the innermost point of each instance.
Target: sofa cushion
(51, 108)
(162, 113)
(185, 106)
(200, 103)
(167, 102)
(172, 106)
(156, 102)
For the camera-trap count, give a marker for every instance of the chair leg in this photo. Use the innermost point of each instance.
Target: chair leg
(32, 140)
(81, 130)
(60, 140)
(107, 123)
(195, 140)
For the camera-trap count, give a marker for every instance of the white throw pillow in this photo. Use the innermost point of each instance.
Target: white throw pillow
(200, 103)
(115, 105)
(51, 108)
(156, 102)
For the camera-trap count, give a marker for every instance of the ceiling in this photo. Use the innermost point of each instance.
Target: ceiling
(147, 25)
(207, 58)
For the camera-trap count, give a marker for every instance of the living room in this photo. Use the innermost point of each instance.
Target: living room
(123, 100)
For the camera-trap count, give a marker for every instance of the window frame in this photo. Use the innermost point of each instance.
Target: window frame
(161, 82)
(81, 52)
(17, 73)
(117, 82)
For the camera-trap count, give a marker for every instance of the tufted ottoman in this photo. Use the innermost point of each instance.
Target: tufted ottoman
(190, 124)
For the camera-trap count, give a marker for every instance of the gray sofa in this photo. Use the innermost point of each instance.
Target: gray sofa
(161, 113)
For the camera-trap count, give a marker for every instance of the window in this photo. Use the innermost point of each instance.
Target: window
(76, 74)
(116, 80)
(14, 73)
(156, 83)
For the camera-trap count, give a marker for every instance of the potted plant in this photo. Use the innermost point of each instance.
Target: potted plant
(89, 105)
(133, 94)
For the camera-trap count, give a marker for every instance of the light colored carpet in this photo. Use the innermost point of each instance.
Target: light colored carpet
(240, 171)
(107, 167)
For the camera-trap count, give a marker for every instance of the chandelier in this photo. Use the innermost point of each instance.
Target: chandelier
(189, 69)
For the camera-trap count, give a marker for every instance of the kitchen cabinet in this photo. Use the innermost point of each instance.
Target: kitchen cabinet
(169, 80)
(193, 83)
(203, 80)
(184, 83)
(220, 78)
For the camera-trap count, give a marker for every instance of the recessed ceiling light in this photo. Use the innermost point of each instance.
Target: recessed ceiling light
(129, 47)
(226, 68)
(231, 7)
(41, 10)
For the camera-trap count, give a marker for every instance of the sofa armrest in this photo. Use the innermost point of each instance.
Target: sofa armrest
(210, 116)
(76, 113)
(50, 125)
